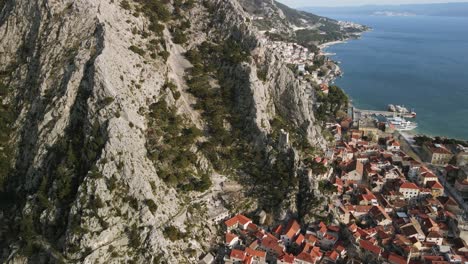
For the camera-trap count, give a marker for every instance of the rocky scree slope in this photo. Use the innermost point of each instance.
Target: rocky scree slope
(120, 119)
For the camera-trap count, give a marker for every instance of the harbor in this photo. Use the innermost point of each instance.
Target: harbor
(394, 119)
(365, 112)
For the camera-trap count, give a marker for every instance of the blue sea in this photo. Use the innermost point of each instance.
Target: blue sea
(419, 62)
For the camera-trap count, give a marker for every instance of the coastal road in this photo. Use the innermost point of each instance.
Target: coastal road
(408, 145)
(448, 187)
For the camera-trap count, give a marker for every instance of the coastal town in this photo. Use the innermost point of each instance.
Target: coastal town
(389, 199)
(384, 207)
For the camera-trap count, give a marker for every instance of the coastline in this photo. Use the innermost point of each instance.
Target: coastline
(407, 134)
(329, 44)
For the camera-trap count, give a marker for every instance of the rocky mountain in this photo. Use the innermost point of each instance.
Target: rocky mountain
(129, 126)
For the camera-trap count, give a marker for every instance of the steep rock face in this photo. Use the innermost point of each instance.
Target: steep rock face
(74, 58)
(82, 188)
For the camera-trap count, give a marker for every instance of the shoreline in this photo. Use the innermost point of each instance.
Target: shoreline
(332, 43)
(412, 133)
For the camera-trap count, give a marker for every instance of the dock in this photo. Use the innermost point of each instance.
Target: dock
(358, 113)
(374, 112)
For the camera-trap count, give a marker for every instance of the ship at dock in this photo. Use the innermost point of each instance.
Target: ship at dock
(400, 124)
(402, 111)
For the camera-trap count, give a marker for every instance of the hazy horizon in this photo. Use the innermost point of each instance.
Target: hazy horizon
(342, 3)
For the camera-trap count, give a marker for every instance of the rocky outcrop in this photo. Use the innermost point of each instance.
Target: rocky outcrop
(82, 188)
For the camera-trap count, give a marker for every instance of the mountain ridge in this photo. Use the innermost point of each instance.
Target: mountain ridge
(128, 123)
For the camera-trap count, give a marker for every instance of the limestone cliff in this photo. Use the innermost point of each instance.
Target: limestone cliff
(96, 97)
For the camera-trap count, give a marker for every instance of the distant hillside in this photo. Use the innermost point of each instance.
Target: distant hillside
(298, 18)
(281, 22)
(444, 9)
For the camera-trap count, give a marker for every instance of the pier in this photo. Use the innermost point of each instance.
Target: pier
(358, 113)
(374, 112)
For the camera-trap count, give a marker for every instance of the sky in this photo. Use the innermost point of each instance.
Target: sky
(302, 3)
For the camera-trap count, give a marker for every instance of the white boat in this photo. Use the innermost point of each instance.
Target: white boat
(391, 108)
(401, 124)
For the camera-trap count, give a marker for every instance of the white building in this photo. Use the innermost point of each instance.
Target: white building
(409, 190)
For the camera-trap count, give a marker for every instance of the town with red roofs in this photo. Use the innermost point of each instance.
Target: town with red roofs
(383, 206)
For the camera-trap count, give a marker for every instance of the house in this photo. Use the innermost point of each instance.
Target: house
(393, 145)
(379, 216)
(434, 237)
(324, 88)
(355, 175)
(429, 225)
(343, 215)
(462, 187)
(235, 257)
(286, 259)
(256, 255)
(367, 246)
(272, 245)
(311, 239)
(332, 256)
(299, 240)
(413, 229)
(231, 240)
(305, 258)
(409, 190)
(207, 259)
(396, 259)
(436, 188)
(328, 241)
(436, 153)
(290, 232)
(238, 221)
(369, 127)
(322, 231)
(450, 204)
(309, 255)
(426, 176)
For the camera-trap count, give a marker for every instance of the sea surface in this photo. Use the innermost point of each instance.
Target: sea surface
(419, 62)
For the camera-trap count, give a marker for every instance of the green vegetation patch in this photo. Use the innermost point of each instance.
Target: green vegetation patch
(173, 233)
(170, 143)
(7, 119)
(270, 176)
(331, 104)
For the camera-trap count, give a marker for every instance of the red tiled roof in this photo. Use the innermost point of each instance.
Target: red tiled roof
(438, 148)
(323, 227)
(366, 245)
(243, 219)
(340, 248)
(252, 227)
(231, 222)
(334, 228)
(306, 257)
(237, 254)
(278, 229)
(434, 234)
(287, 258)
(396, 259)
(299, 239)
(255, 253)
(432, 258)
(409, 185)
(352, 227)
(292, 229)
(434, 185)
(230, 237)
(333, 255)
(238, 219)
(311, 238)
(271, 242)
